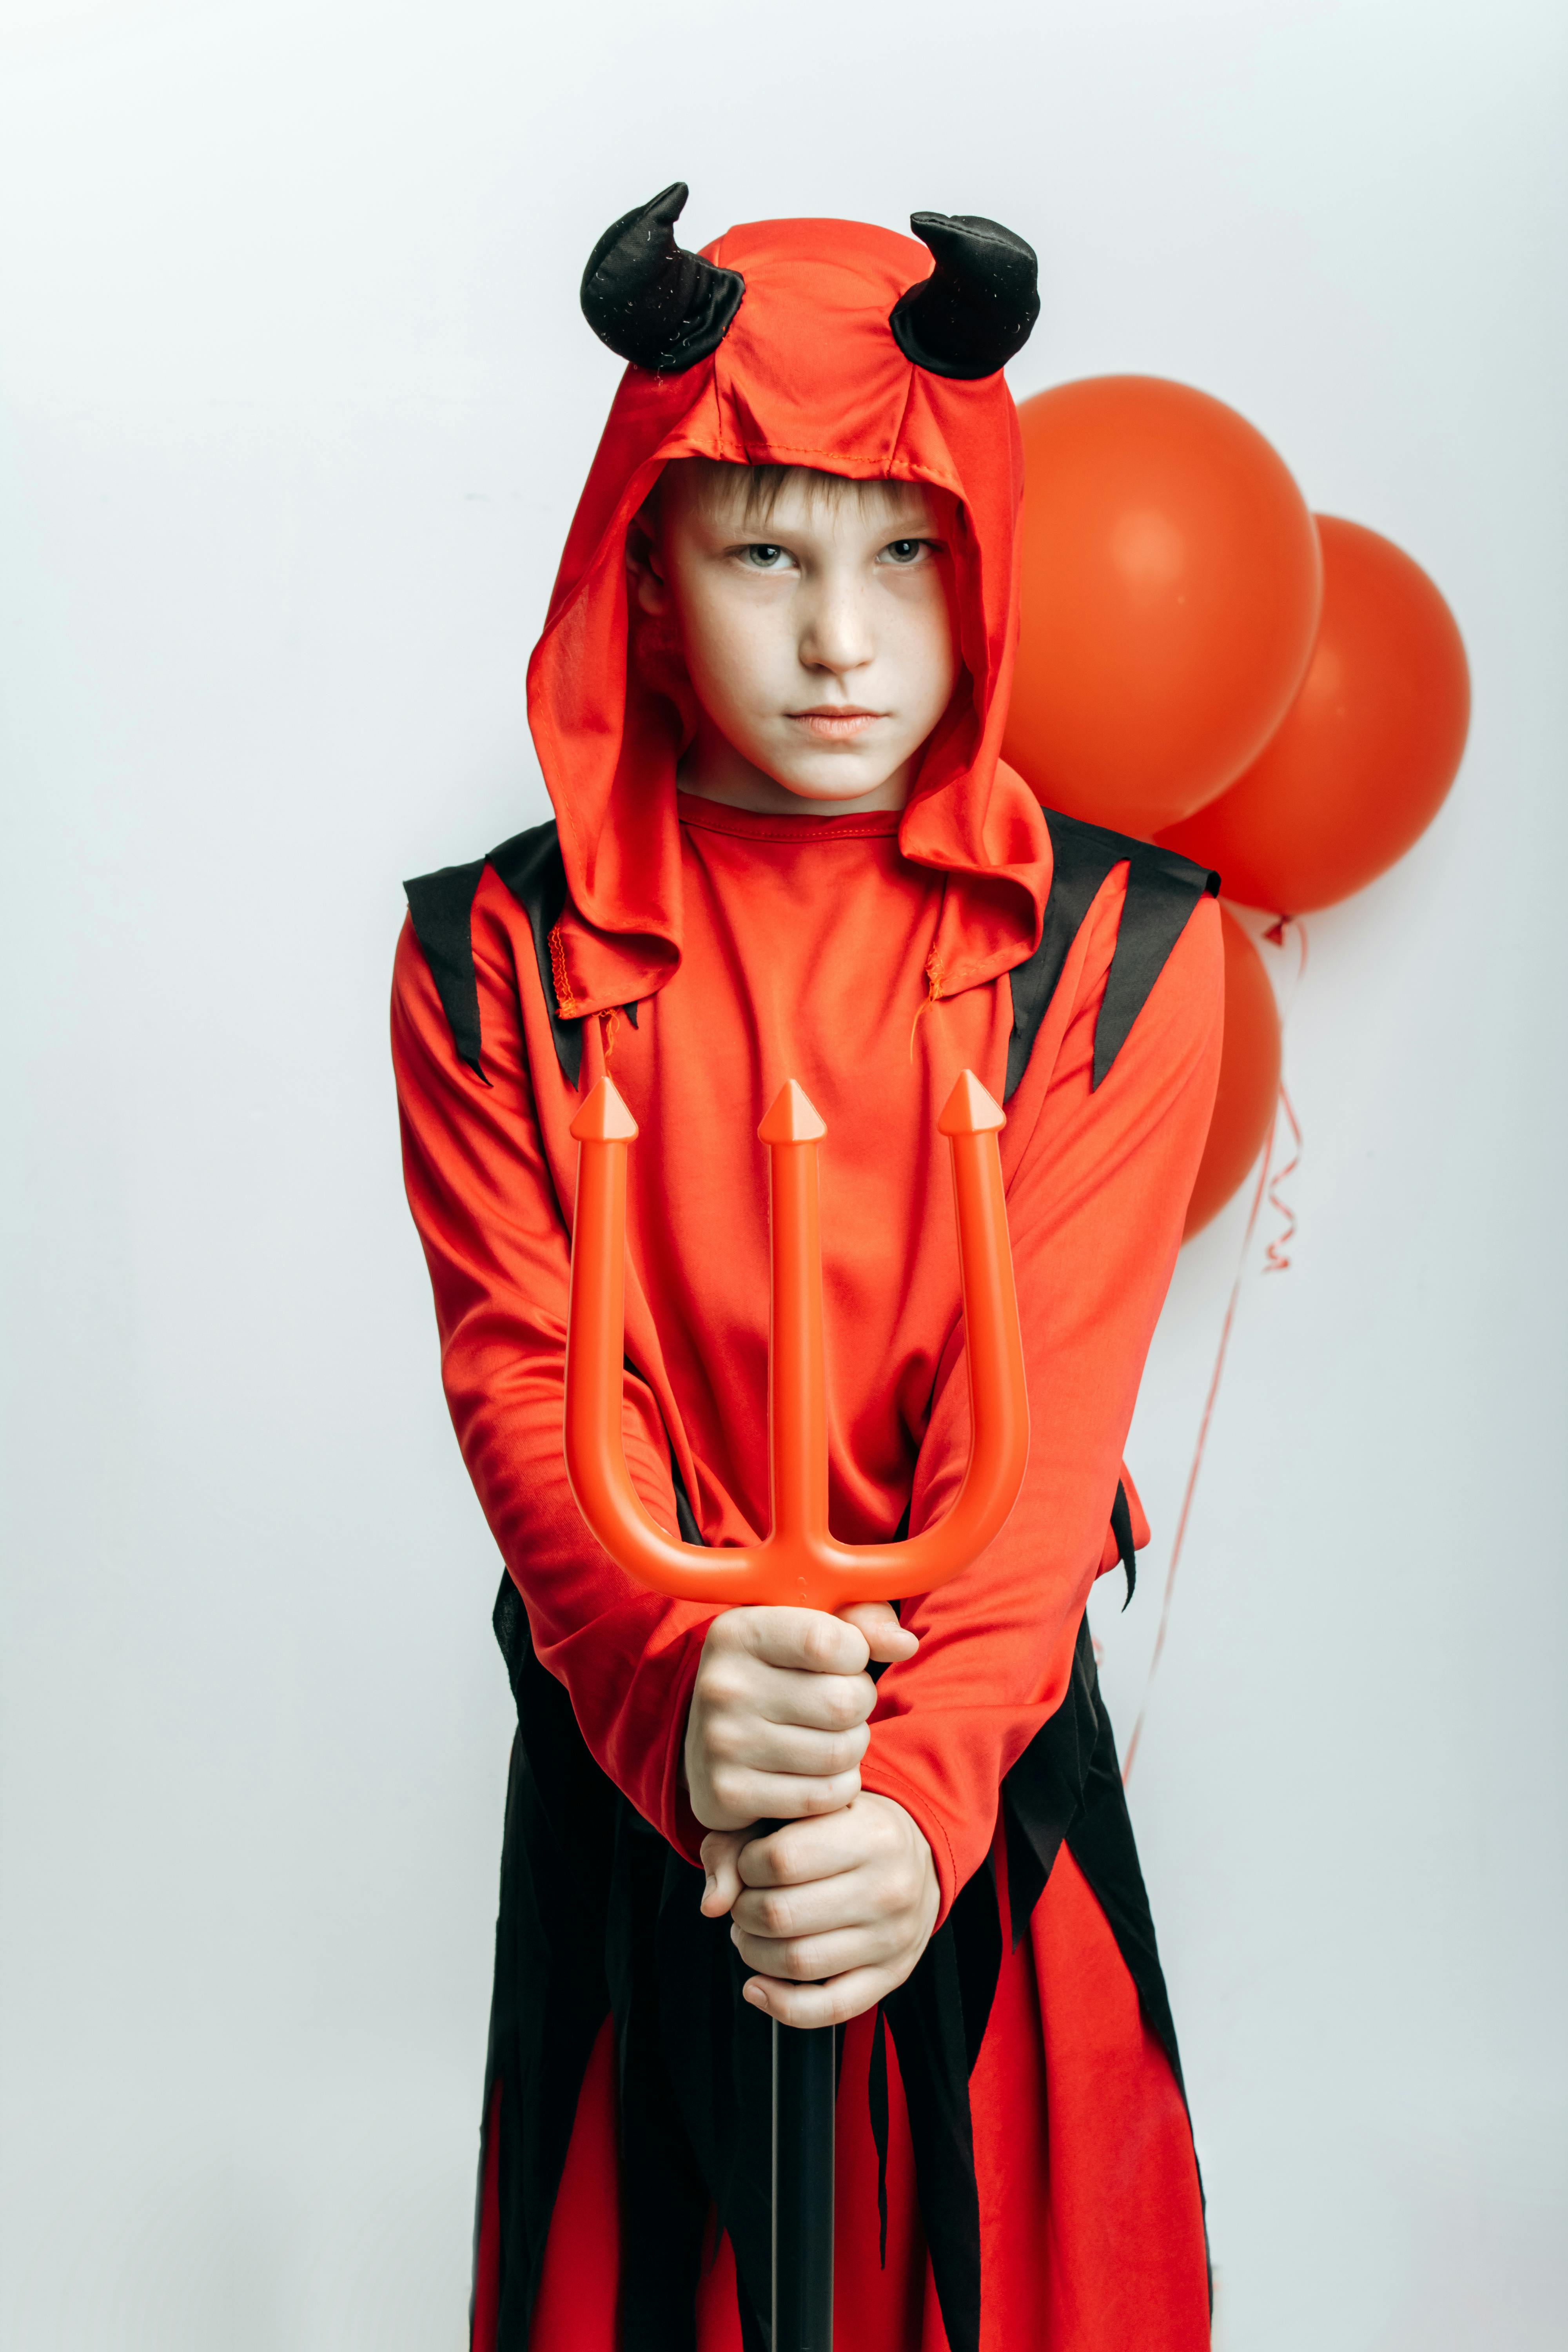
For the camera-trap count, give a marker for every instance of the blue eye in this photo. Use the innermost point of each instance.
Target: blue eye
(905, 550)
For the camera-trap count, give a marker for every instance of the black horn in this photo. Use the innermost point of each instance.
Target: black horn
(653, 304)
(975, 310)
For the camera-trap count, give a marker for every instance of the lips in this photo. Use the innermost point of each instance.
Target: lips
(830, 725)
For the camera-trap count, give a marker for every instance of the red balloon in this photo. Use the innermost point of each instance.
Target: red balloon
(1248, 1079)
(1171, 587)
(1367, 753)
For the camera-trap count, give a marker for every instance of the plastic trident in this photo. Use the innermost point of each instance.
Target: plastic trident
(800, 1563)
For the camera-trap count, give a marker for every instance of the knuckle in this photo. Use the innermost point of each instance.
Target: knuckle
(785, 1855)
(819, 1643)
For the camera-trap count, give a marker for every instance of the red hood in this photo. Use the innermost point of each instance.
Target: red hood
(808, 374)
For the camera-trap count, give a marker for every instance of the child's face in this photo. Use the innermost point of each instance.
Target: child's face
(818, 643)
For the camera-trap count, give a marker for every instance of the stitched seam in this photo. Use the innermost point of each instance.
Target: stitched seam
(773, 450)
(801, 829)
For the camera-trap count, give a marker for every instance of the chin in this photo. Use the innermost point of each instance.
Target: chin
(839, 784)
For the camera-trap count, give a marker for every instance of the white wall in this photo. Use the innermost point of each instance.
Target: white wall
(296, 404)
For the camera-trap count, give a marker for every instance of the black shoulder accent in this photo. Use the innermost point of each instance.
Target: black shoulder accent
(1163, 888)
(1161, 891)
(530, 864)
(441, 906)
(1082, 855)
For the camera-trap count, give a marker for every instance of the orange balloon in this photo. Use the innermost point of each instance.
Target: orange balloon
(1248, 1079)
(1368, 750)
(1171, 587)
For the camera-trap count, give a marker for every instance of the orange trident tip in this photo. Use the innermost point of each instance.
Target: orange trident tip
(800, 1560)
(792, 1117)
(603, 1117)
(968, 1110)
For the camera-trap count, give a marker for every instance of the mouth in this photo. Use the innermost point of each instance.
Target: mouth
(834, 722)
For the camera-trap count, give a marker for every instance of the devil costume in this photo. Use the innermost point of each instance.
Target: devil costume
(1015, 2162)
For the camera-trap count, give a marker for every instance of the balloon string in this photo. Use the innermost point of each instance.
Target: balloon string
(1277, 1256)
(1176, 1560)
(1276, 1261)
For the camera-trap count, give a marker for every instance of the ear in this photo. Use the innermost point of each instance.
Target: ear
(645, 566)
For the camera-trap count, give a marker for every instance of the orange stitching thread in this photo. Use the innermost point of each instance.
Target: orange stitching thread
(566, 1002)
(933, 996)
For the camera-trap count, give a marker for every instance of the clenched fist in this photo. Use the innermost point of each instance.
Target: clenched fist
(834, 1908)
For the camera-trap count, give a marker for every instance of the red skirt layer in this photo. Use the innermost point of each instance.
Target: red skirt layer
(1091, 2227)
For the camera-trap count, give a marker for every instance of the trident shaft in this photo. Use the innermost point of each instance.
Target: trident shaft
(800, 1561)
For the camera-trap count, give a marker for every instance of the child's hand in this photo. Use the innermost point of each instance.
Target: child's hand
(777, 1726)
(851, 1898)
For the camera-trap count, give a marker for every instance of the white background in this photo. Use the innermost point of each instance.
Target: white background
(296, 405)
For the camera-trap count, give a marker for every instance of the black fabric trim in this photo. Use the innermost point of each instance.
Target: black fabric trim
(551, 1993)
(1066, 1787)
(441, 908)
(1161, 891)
(877, 2100)
(530, 864)
(925, 2018)
(1100, 1840)
(1044, 1788)
(1121, 1529)
(662, 2219)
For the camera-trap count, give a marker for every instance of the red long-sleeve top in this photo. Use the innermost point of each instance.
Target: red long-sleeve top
(806, 949)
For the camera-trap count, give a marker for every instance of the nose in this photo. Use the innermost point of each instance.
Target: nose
(837, 635)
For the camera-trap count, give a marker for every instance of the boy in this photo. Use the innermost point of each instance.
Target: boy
(768, 704)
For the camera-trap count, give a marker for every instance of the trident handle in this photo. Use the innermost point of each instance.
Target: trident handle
(800, 1561)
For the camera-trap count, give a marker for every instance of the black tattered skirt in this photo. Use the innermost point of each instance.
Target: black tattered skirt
(599, 1920)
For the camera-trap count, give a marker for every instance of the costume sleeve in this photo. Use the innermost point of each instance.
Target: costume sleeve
(496, 1241)
(1095, 1203)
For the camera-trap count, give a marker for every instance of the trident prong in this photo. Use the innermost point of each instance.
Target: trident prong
(800, 1561)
